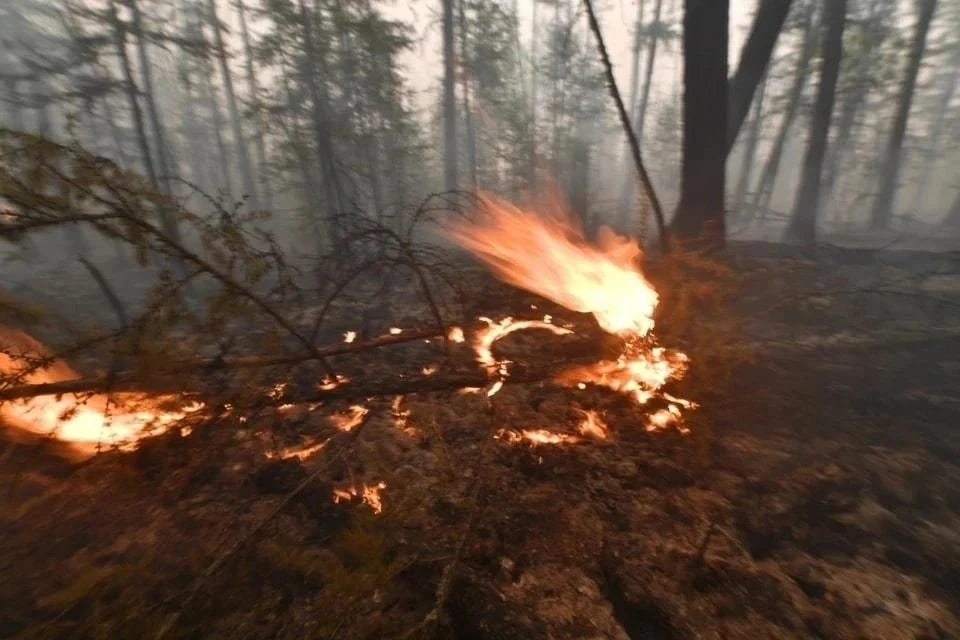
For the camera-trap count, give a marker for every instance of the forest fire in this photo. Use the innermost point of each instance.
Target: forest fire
(550, 256)
(89, 424)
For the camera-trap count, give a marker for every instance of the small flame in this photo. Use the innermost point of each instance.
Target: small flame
(89, 424)
(455, 334)
(534, 437)
(349, 336)
(429, 370)
(400, 417)
(300, 453)
(395, 331)
(332, 383)
(483, 343)
(369, 493)
(593, 426)
(350, 418)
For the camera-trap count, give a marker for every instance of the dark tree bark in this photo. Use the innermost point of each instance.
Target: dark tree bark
(802, 227)
(771, 169)
(754, 60)
(700, 214)
(449, 100)
(882, 210)
(253, 90)
(750, 149)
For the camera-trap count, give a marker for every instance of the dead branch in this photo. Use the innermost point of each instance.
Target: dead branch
(107, 290)
(128, 380)
(628, 129)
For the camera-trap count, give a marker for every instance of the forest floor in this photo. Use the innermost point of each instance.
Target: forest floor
(817, 494)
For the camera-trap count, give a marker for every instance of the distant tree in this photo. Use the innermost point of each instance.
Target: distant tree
(750, 148)
(802, 227)
(253, 91)
(449, 100)
(889, 175)
(700, 213)
(754, 61)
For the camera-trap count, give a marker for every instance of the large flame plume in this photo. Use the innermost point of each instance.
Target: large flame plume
(550, 256)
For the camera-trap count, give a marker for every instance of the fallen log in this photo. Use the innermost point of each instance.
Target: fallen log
(130, 380)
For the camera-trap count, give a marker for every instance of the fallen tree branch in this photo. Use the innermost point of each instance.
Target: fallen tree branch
(129, 380)
(628, 129)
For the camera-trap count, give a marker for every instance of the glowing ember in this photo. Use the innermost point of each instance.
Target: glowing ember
(429, 370)
(551, 257)
(90, 423)
(455, 334)
(395, 331)
(332, 383)
(400, 417)
(535, 437)
(370, 494)
(593, 426)
(300, 453)
(664, 418)
(494, 388)
(483, 343)
(350, 418)
(349, 336)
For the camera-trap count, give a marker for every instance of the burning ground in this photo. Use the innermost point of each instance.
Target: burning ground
(813, 492)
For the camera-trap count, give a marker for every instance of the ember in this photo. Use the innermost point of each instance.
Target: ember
(370, 494)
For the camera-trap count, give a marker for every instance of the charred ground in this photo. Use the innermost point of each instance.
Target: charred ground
(816, 496)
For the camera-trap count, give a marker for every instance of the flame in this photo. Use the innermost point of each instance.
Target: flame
(349, 336)
(400, 417)
(455, 334)
(300, 452)
(550, 256)
(593, 426)
(347, 420)
(89, 424)
(429, 369)
(395, 331)
(369, 493)
(553, 259)
(534, 436)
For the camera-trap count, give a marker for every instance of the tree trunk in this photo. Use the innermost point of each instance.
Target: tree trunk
(534, 81)
(260, 123)
(803, 224)
(465, 90)
(164, 155)
(750, 149)
(630, 174)
(952, 219)
(771, 169)
(700, 215)
(754, 60)
(130, 89)
(239, 142)
(890, 173)
(449, 101)
(648, 74)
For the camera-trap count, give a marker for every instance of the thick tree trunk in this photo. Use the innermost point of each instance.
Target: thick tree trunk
(750, 149)
(239, 142)
(890, 173)
(803, 224)
(700, 214)
(449, 100)
(754, 60)
(771, 169)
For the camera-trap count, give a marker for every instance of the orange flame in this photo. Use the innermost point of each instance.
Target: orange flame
(369, 493)
(95, 422)
(550, 256)
(347, 420)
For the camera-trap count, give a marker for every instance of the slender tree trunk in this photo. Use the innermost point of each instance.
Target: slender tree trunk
(534, 82)
(771, 169)
(648, 74)
(700, 213)
(754, 60)
(465, 89)
(239, 142)
(260, 122)
(890, 173)
(630, 174)
(803, 224)
(750, 149)
(449, 101)
(162, 147)
(937, 134)
(131, 90)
